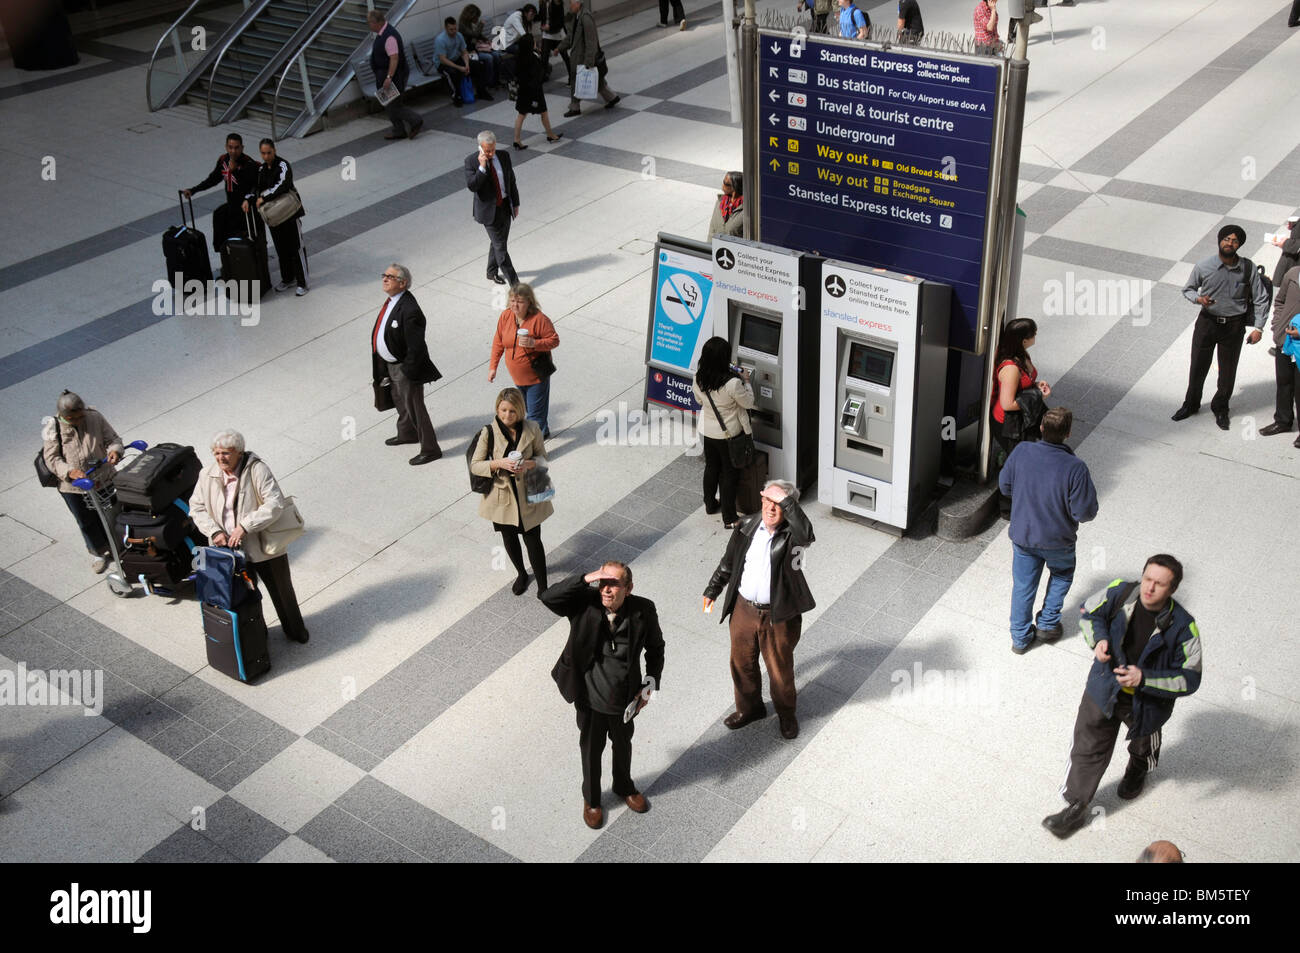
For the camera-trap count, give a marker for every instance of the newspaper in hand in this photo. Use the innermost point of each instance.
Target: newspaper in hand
(387, 93)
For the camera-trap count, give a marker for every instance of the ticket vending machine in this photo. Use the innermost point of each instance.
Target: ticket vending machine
(765, 303)
(884, 353)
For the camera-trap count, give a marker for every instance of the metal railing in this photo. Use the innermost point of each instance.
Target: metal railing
(251, 13)
(315, 103)
(178, 51)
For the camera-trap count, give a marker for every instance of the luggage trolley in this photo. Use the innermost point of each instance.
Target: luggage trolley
(103, 500)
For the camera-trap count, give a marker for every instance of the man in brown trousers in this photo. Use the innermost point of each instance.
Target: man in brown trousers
(766, 596)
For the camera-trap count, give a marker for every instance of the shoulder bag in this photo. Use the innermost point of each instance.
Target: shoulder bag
(277, 211)
(47, 476)
(285, 528)
(740, 448)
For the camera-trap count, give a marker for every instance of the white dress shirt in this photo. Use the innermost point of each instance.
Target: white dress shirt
(389, 321)
(756, 578)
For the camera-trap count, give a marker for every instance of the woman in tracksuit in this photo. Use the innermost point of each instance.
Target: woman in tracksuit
(274, 179)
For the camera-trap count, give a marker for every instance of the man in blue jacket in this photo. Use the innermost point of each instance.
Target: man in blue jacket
(1147, 652)
(1051, 494)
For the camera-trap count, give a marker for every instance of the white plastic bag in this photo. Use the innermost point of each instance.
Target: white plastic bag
(587, 83)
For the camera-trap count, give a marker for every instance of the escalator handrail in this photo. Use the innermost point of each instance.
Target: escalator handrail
(148, 76)
(236, 30)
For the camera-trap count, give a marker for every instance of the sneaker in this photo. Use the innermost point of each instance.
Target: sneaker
(613, 102)
(300, 292)
(99, 564)
(1022, 649)
(682, 25)
(1050, 634)
(283, 286)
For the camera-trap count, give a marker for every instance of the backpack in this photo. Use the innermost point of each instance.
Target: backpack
(1257, 272)
(479, 484)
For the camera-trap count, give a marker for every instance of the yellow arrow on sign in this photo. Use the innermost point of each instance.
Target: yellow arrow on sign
(775, 164)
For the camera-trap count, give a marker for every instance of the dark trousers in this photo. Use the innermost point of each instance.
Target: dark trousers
(1208, 336)
(593, 726)
(399, 113)
(287, 237)
(1094, 742)
(274, 575)
(678, 13)
(549, 46)
(498, 256)
(1287, 376)
(536, 553)
(92, 530)
(413, 421)
(753, 633)
(718, 471)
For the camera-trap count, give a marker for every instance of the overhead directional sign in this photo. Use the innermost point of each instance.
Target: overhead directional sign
(880, 158)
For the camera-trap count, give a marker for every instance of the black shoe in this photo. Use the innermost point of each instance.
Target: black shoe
(1048, 635)
(497, 279)
(1022, 649)
(789, 727)
(520, 585)
(519, 146)
(458, 102)
(572, 112)
(1297, 443)
(300, 638)
(712, 508)
(613, 102)
(1221, 420)
(393, 135)
(398, 441)
(555, 138)
(1273, 429)
(731, 525)
(422, 458)
(1182, 413)
(737, 720)
(415, 130)
(1135, 776)
(484, 94)
(1068, 821)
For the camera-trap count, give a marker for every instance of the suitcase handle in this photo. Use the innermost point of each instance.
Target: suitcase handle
(180, 193)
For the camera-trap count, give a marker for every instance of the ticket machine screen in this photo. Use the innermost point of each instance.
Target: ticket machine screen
(871, 364)
(760, 334)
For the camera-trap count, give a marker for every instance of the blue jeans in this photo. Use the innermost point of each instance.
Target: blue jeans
(537, 400)
(1026, 569)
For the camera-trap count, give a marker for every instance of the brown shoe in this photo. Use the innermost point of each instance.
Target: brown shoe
(637, 802)
(739, 719)
(592, 816)
(789, 727)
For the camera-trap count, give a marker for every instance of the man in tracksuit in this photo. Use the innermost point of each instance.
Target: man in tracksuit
(1051, 494)
(1148, 654)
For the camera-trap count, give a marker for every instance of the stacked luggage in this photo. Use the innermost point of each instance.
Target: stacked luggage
(154, 524)
(233, 625)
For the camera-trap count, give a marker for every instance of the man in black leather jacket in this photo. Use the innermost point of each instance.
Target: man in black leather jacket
(766, 596)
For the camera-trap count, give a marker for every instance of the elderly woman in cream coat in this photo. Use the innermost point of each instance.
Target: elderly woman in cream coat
(506, 503)
(235, 499)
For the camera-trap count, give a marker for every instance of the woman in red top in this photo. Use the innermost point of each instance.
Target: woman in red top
(523, 333)
(1013, 373)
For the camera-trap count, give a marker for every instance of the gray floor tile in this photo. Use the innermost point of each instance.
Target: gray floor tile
(241, 831)
(664, 518)
(186, 846)
(608, 525)
(681, 844)
(640, 536)
(209, 756)
(343, 838)
(345, 749)
(181, 736)
(878, 582)
(883, 628)
(190, 695)
(248, 729)
(150, 719)
(31, 604)
(426, 832)
(845, 677)
(387, 694)
(611, 849)
(352, 720)
(479, 851)
(32, 647)
(866, 653)
(121, 700)
(367, 798)
(916, 597)
(218, 712)
(9, 622)
(148, 672)
(685, 501)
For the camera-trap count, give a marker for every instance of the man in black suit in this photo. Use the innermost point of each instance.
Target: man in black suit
(489, 176)
(762, 572)
(599, 672)
(398, 352)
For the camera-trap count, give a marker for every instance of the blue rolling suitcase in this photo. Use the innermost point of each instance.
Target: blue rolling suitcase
(236, 639)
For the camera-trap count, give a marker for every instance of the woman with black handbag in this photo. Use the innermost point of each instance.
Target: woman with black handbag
(526, 338)
(1018, 394)
(280, 206)
(725, 398)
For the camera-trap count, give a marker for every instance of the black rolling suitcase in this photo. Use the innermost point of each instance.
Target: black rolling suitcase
(236, 639)
(152, 481)
(171, 530)
(243, 258)
(157, 567)
(185, 250)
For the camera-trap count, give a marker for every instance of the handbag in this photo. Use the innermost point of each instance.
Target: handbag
(383, 395)
(542, 363)
(467, 90)
(740, 448)
(287, 527)
(537, 485)
(279, 210)
(586, 83)
(43, 472)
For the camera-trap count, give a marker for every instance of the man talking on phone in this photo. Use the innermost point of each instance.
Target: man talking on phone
(1146, 655)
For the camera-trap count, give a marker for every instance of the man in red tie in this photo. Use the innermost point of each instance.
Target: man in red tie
(489, 176)
(398, 353)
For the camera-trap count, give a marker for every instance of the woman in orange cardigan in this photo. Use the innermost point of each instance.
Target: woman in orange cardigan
(526, 337)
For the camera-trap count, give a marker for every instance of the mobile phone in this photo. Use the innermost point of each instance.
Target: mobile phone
(737, 370)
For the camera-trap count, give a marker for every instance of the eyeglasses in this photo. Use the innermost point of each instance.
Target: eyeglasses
(387, 276)
(610, 584)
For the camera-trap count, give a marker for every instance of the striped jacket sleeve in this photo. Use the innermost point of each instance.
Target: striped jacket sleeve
(1096, 614)
(1186, 678)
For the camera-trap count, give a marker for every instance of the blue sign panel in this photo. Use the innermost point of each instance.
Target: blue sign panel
(879, 158)
(670, 390)
(681, 302)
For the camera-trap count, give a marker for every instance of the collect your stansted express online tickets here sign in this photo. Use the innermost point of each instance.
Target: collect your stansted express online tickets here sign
(879, 158)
